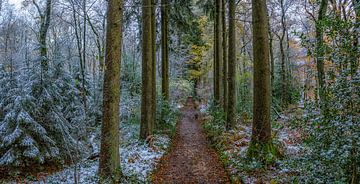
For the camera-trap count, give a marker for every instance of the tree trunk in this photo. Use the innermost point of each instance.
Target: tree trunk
(147, 71)
(81, 51)
(355, 62)
(218, 52)
(261, 131)
(165, 49)
(284, 86)
(225, 66)
(109, 167)
(272, 59)
(320, 54)
(231, 106)
(83, 66)
(153, 80)
(44, 27)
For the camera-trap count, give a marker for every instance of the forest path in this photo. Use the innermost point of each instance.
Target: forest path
(190, 160)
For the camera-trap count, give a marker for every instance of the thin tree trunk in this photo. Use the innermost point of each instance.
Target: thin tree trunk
(225, 66)
(283, 58)
(320, 54)
(109, 166)
(165, 49)
(153, 80)
(272, 59)
(261, 131)
(84, 58)
(231, 106)
(81, 54)
(218, 52)
(147, 69)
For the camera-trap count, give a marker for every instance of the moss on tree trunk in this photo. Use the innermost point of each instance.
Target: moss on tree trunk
(146, 126)
(261, 130)
(231, 106)
(109, 167)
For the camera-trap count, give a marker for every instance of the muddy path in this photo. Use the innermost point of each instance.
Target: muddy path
(190, 160)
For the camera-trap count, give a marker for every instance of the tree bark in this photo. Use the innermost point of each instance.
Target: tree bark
(153, 80)
(261, 131)
(231, 106)
(272, 59)
(83, 66)
(284, 86)
(147, 71)
(109, 167)
(218, 52)
(320, 54)
(225, 66)
(44, 27)
(165, 49)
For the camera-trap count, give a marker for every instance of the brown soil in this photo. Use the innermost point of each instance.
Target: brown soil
(190, 159)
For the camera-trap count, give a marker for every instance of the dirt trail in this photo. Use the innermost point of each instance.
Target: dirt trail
(190, 159)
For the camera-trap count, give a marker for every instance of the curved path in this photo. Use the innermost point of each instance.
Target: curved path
(190, 160)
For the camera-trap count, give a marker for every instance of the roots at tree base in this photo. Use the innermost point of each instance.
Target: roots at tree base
(267, 153)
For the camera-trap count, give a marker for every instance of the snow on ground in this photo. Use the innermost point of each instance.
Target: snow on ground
(138, 159)
(243, 170)
(137, 162)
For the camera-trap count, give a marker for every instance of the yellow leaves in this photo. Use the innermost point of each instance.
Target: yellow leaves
(194, 74)
(195, 70)
(203, 21)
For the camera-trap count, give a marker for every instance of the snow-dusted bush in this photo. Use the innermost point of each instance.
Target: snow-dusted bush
(39, 117)
(334, 134)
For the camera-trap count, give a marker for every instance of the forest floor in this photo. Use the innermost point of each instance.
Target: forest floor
(190, 159)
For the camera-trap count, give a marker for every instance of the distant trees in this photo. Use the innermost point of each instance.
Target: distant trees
(109, 166)
(283, 71)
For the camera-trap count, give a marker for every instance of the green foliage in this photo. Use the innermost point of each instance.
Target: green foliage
(180, 90)
(292, 95)
(265, 153)
(334, 136)
(167, 117)
(243, 83)
(130, 75)
(215, 126)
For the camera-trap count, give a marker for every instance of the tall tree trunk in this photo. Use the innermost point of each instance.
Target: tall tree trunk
(109, 166)
(320, 54)
(231, 106)
(225, 66)
(283, 73)
(261, 131)
(165, 49)
(218, 52)
(83, 66)
(272, 59)
(284, 85)
(147, 71)
(355, 62)
(153, 80)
